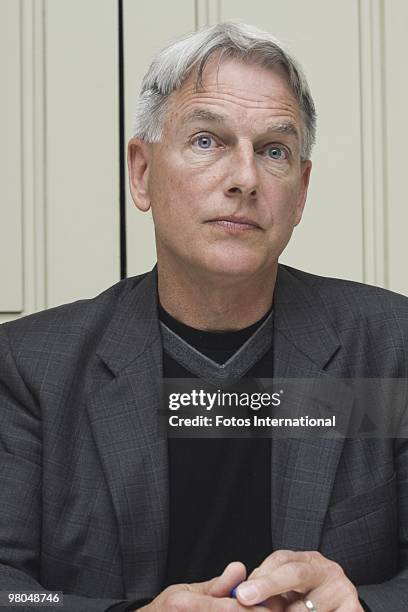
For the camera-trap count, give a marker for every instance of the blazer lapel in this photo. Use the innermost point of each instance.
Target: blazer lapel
(304, 467)
(124, 419)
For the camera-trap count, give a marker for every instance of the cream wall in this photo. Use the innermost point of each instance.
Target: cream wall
(59, 219)
(59, 152)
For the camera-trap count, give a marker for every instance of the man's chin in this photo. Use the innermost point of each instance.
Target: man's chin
(233, 268)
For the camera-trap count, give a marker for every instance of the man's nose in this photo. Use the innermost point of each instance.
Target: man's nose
(243, 176)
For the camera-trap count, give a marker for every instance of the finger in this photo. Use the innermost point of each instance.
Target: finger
(281, 557)
(333, 595)
(300, 605)
(327, 597)
(220, 586)
(184, 600)
(293, 576)
(277, 603)
(233, 574)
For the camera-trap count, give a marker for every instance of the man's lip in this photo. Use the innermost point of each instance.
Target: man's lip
(238, 220)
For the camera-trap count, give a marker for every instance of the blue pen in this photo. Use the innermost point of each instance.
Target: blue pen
(234, 594)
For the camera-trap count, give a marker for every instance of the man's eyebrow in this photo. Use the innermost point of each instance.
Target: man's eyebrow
(283, 128)
(201, 114)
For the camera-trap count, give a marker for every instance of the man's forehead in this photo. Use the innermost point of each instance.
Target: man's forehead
(257, 94)
(197, 114)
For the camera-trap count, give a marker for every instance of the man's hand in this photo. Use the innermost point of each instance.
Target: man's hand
(211, 596)
(286, 578)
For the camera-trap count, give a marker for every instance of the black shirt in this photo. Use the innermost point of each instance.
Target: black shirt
(219, 488)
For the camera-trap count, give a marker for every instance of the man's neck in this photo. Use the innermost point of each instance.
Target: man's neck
(215, 303)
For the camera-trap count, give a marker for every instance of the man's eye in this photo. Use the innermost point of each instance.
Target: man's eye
(277, 153)
(204, 142)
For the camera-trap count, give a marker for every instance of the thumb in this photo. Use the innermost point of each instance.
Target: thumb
(220, 586)
(233, 574)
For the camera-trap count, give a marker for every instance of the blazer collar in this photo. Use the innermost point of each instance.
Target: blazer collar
(134, 326)
(302, 317)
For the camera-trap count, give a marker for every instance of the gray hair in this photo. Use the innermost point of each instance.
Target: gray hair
(173, 65)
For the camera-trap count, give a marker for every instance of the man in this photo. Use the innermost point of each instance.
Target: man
(100, 506)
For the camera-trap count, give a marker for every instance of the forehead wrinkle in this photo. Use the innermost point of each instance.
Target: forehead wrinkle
(207, 115)
(203, 114)
(219, 91)
(260, 101)
(287, 116)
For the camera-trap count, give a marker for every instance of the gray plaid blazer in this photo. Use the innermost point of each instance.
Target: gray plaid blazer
(84, 475)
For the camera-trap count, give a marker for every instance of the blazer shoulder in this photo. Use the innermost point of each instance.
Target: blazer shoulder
(361, 297)
(81, 317)
(358, 310)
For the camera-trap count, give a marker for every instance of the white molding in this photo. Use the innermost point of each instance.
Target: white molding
(34, 199)
(208, 12)
(33, 157)
(11, 212)
(373, 142)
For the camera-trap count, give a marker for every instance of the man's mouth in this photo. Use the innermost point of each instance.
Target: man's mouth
(235, 223)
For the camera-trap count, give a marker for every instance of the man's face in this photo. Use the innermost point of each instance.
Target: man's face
(226, 185)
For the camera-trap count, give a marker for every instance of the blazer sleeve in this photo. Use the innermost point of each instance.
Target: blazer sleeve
(393, 594)
(20, 486)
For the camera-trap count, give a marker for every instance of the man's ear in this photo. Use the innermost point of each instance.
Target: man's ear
(305, 169)
(138, 158)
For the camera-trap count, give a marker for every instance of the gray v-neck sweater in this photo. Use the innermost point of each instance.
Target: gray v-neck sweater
(219, 488)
